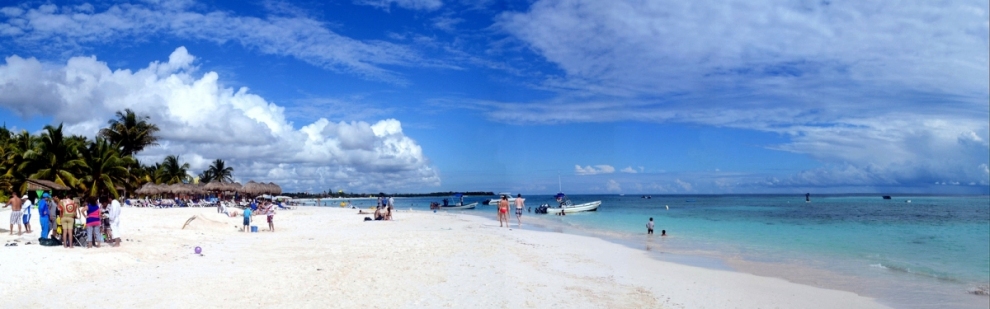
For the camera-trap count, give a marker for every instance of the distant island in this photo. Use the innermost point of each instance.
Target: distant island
(359, 195)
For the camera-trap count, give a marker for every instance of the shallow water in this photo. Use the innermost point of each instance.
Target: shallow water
(922, 254)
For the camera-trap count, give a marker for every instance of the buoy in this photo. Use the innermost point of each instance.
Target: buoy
(668, 206)
(199, 250)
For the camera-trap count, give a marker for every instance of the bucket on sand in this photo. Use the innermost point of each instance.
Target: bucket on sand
(254, 229)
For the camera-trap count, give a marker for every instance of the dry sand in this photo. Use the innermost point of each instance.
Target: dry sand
(329, 257)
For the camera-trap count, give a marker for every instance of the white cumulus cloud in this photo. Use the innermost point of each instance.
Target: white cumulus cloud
(613, 186)
(629, 170)
(59, 28)
(893, 92)
(593, 170)
(202, 120)
(427, 5)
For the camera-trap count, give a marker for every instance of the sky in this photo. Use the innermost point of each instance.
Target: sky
(530, 97)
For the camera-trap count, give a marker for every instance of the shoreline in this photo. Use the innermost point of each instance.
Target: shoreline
(328, 256)
(959, 294)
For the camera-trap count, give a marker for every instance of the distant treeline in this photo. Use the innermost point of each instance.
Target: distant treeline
(357, 195)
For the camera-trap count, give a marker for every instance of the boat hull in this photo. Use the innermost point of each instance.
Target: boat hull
(468, 206)
(590, 206)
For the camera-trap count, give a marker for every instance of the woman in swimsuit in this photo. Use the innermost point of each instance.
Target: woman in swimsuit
(503, 211)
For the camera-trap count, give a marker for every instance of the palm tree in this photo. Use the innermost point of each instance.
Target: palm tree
(221, 172)
(206, 176)
(130, 132)
(6, 150)
(56, 158)
(105, 169)
(170, 171)
(17, 167)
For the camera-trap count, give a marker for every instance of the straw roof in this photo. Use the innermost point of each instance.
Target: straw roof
(214, 186)
(38, 184)
(233, 187)
(259, 188)
(148, 189)
(276, 189)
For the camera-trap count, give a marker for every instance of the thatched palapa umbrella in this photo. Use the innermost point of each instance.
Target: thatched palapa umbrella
(214, 186)
(45, 185)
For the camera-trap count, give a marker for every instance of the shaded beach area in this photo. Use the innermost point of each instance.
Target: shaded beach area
(330, 257)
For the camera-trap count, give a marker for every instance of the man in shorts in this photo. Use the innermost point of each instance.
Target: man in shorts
(520, 204)
(15, 214)
(26, 209)
(270, 211)
(247, 219)
(649, 227)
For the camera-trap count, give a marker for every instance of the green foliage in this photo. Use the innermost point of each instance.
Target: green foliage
(220, 172)
(130, 133)
(93, 167)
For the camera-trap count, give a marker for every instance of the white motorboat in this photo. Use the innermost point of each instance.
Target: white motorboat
(494, 201)
(566, 206)
(589, 206)
(459, 207)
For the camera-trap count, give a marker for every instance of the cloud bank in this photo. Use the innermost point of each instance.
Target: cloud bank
(427, 5)
(888, 93)
(593, 170)
(201, 120)
(57, 28)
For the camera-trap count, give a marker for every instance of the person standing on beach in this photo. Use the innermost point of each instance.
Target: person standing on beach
(503, 211)
(15, 204)
(390, 208)
(520, 204)
(649, 227)
(27, 213)
(68, 208)
(93, 229)
(113, 213)
(247, 219)
(270, 211)
(43, 213)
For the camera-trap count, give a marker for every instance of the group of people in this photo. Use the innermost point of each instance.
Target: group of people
(649, 228)
(503, 209)
(384, 208)
(99, 217)
(20, 214)
(262, 207)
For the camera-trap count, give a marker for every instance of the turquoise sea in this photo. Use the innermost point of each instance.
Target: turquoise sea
(908, 252)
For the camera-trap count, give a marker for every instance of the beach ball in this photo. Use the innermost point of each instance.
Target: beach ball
(199, 250)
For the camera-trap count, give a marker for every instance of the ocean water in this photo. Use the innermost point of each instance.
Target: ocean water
(926, 253)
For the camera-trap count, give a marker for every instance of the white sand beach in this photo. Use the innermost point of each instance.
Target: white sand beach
(329, 257)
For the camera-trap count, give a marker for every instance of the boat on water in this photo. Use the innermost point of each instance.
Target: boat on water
(459, 207)
(566, 206)
(494, 201)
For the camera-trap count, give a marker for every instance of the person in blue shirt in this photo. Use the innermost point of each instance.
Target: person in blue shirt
(247, 219)
(44, 210)
(43, 213)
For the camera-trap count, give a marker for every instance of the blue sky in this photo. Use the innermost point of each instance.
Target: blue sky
(675, 97)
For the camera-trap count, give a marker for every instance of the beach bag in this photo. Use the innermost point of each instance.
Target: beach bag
(49, 242)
